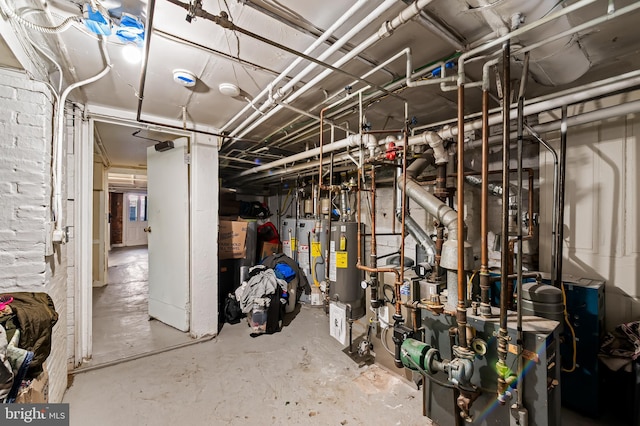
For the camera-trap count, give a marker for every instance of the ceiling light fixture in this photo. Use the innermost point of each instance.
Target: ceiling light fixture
(132, 53)
(184, 78)
(229, 89)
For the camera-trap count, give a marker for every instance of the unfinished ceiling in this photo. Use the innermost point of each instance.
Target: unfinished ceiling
(281, 74)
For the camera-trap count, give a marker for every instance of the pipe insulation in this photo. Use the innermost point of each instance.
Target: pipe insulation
(534, 106)
(385, 31)
(335, 47)
(353, 141)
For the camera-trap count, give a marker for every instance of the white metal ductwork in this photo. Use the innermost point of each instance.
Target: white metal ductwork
(552, 64)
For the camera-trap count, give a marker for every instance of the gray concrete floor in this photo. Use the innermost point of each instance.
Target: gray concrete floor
(121, 325)
(297, 376)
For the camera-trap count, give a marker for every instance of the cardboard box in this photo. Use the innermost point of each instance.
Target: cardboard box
(232, 240)
(267, 250)
(37, 392)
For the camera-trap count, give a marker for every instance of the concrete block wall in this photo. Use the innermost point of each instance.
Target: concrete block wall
(26, 110)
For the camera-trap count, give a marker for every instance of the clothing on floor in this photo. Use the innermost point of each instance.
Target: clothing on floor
(300, 281)
(262, 282)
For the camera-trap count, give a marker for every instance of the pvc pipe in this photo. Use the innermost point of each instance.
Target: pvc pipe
(58, 233)
(571, 97)
(343, 40)
(580, 94)
(553, 95)
(357, 140)
(385, 30)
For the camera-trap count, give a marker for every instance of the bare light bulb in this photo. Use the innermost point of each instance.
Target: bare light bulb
(132, 54)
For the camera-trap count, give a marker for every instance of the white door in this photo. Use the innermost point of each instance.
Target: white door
(135, 219)
(168, 235)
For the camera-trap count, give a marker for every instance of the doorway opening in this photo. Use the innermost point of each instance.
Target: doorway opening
(120, 322)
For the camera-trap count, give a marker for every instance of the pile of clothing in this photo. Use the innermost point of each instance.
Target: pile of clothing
(271, 290)
(263, 298)
(26, 326)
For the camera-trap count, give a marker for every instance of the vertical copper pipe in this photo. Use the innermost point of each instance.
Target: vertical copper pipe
(398, 314)
(506, 146)
(485, 285)
(373, 212)
(439, 243)
(530, 209)
(504, 246)
(461, 312)
(358, 196)
(374, 243)
(359, 265)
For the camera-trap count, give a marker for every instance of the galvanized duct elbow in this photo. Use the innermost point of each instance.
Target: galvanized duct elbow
(445, 215)
(420, 235)
(495, 189)
(433, 205)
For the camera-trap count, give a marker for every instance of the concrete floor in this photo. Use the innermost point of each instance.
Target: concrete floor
(121, 325)
(297, 376)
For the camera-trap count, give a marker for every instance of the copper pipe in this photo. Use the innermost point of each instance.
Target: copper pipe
(398, 314)
(373, 212)
(461, 314)
(414, 320)
(358, 208)
(374, 243)
(506, 147)
(439, 244)
(514, 276)
(485, 287)
(359, 264)
(435, 309)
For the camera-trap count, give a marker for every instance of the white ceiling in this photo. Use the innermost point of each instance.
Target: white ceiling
(217, 55)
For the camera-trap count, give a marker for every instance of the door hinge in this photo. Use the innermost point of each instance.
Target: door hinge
(187, 158)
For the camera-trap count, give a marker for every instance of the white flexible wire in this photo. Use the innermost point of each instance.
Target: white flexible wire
(47, 30)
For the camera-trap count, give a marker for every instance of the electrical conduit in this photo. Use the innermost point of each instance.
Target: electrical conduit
(59, 233)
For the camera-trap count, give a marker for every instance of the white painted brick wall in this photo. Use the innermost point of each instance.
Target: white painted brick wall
(26, 109)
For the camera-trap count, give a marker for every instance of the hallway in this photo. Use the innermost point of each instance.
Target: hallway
(121, 324)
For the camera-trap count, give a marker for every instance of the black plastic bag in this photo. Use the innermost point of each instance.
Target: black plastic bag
(232, 312)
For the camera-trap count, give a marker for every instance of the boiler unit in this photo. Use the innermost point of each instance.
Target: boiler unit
(541, 375)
